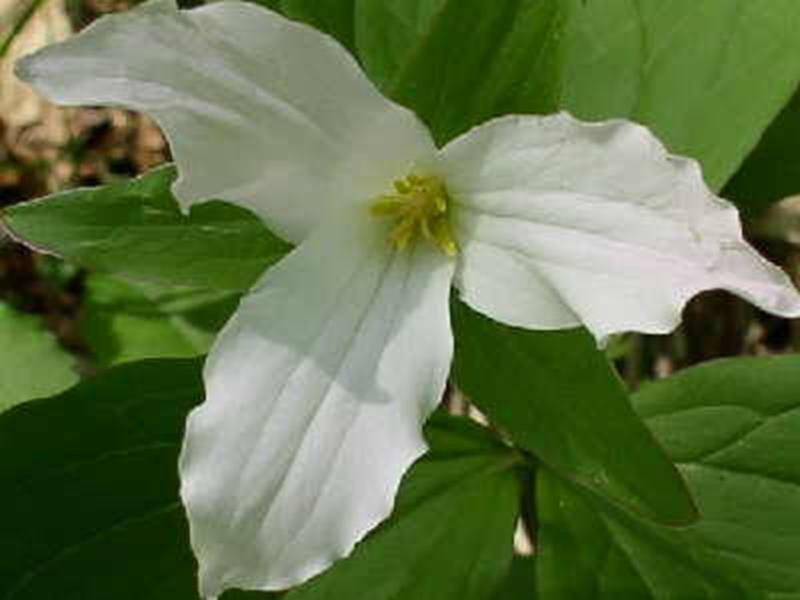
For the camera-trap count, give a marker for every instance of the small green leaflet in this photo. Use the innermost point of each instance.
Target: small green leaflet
(134, 229)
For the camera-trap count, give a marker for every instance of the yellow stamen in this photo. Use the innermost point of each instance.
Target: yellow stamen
(443, 237)
(420, 206)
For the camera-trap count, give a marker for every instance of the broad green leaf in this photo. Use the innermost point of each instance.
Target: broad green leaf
(450, 535)
(575, 555)
(772, 171)
(135, 229)
(734, 428)
(90, 510)
(32, 364)
(555, 394)
(590, 549)
(388, 32)
(332, 16)
(508, 62)
(125, 321)
(708, 77)
(520, 582)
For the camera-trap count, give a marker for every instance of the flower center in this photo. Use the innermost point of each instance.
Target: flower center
(419, 207)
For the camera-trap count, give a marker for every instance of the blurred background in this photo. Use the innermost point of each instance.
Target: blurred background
(58, 322)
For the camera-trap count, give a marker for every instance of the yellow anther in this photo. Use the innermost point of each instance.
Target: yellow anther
(387, 206)
(420, 207)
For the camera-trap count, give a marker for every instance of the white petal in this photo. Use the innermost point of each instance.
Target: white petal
(563, 222)
(258, 110)
(317, 390)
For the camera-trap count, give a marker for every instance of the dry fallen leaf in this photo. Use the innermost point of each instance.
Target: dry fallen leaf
(19, 104)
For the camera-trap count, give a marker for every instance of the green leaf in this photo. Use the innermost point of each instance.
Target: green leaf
(520, 582)
(642, 60)
(32, 364)
(555, 394)
(134, 229)
(508, 62)
(734, 428)
(576, 557)
(772, 171)
(90, 507)
(127, 321)
(388, 32)
(590, 549)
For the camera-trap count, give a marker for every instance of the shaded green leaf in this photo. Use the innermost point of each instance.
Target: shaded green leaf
(772, 171)
(508, 62)
(32, 364)
(591, 549)
(90, 508)
(734, 428)
(388, 32)
(125, 321)
(576, 557)
(555, 394)
(520, 582)
(135, 229)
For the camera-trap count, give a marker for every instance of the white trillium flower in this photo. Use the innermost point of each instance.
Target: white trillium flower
(318, 387)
